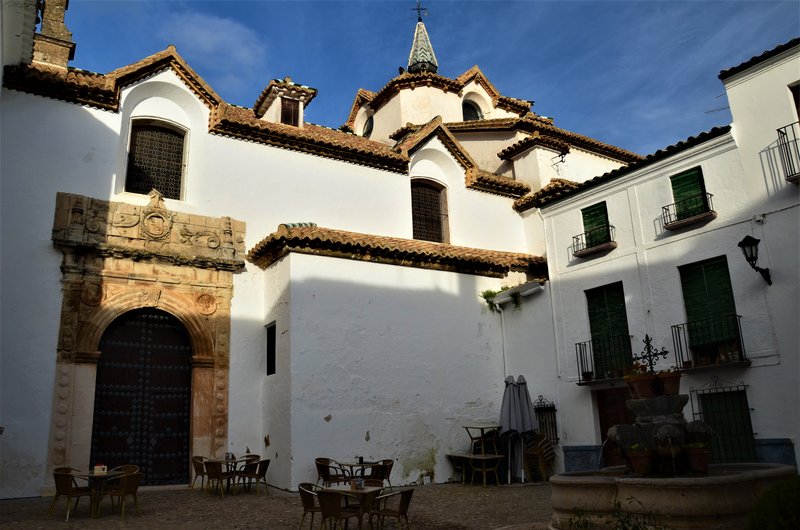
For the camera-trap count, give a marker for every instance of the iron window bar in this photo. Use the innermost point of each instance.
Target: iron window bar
(594, 240)
(789, 151)
(688, 211)
(546, 416)
(709, 342)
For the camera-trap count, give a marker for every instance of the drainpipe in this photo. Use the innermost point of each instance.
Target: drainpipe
(502, 338)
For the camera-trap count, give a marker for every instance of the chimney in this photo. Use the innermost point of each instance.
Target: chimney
(53, 44)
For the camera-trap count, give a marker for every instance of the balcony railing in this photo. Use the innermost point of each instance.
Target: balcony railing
(789, 149)
(603, 359)
(713, 341)
(594, 240)
(688, 211)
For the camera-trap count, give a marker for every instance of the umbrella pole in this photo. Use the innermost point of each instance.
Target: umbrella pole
(509, 460)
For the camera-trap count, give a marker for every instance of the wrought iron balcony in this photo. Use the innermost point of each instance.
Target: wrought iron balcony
(688, 211)
(592, 241)
(789, 150)
(603, 360)
(713, 341)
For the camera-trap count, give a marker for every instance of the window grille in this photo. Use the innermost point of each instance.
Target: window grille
(723, 406)
(428, 218)
(546, 416)
(155, 160)
(470, 111)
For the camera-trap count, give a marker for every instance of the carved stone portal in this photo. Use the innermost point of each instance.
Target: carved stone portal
(119, 257)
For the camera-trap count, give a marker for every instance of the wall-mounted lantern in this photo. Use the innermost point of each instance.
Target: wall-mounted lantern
(749, 246)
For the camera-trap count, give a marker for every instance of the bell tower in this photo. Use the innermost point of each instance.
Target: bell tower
(53, 44)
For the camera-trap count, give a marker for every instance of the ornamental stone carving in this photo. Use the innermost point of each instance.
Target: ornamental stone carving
(119, 257)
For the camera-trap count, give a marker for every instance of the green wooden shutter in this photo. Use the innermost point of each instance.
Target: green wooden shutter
(595, 224)
(608, 325)
(708, 300)
(689, 193)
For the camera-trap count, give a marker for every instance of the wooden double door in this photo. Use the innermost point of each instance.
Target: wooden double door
(143, 396)
(612, 411)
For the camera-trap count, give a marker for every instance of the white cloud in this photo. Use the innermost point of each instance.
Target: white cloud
(228, 54)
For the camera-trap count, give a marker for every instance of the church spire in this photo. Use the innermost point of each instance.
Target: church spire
(421, 58)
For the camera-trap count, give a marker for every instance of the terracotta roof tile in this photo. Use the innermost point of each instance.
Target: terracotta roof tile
(532, 141)
(536, 200)
(239, 122)
(392, 250)
(545, 126)
(554, 189)
(278, 87)
(362, 96)
(497, 184)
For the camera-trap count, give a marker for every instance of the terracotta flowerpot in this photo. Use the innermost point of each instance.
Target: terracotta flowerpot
(671, 383)
(641, 461)
(699, 459)
(641, 386)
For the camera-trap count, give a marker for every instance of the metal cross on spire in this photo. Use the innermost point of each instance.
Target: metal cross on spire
(419, 9)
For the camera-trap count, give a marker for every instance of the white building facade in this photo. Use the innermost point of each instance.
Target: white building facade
(300, 291)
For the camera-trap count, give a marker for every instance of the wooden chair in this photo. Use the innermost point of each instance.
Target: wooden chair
(332, 510)
(199, 471)
(254, 471)
(216, 475)
(382, 471)
(128, 485)
(308, 496)
(393, 505)
(67, 486)
(329, 472)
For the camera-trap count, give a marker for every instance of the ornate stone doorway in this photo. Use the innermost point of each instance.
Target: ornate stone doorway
(143, 396)
(120, 258)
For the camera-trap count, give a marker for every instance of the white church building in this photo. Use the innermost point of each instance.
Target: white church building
(301, 291)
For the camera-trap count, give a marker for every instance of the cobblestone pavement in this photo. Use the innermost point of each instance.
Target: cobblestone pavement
(438, 506)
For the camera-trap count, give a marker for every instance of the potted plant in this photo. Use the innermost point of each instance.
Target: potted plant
(641, 458)
(640, 381)
(699, 456)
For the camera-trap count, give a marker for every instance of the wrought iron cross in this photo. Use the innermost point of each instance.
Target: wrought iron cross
(419, 9)
(650, 354)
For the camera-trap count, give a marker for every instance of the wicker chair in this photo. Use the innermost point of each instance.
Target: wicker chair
(217, 476)
(257, 471)
(67, 486)
(393, 505)
(329, 472)
(332, 511)
(381, 471)
(199, 471)
(308, 496)
(128, 485)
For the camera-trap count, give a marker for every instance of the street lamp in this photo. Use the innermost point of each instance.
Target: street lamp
(749, 246)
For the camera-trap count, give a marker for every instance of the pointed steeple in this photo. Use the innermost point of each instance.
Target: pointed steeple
(422, 58)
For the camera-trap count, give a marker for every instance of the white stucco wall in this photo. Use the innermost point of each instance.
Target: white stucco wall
(370, 372)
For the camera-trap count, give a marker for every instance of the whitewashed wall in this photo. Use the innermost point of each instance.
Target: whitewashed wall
(407, 355)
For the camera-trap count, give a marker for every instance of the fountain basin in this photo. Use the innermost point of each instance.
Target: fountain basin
(722, 499)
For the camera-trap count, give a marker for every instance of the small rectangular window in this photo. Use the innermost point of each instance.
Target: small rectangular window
(290, 111)
(271, 349)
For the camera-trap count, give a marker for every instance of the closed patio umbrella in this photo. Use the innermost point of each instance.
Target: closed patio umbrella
(510, 415)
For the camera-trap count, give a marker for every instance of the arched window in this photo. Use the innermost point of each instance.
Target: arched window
(155, 160)
(471, 111)
(429, 211)
(368, 127)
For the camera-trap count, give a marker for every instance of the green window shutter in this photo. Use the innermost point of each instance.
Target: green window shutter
(710, 308)
(595, 224)
(608, 325)
(689, 193)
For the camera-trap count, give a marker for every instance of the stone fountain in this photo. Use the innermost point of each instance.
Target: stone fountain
(662, 484)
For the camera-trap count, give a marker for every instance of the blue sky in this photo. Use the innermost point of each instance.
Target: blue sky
(638, 74)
